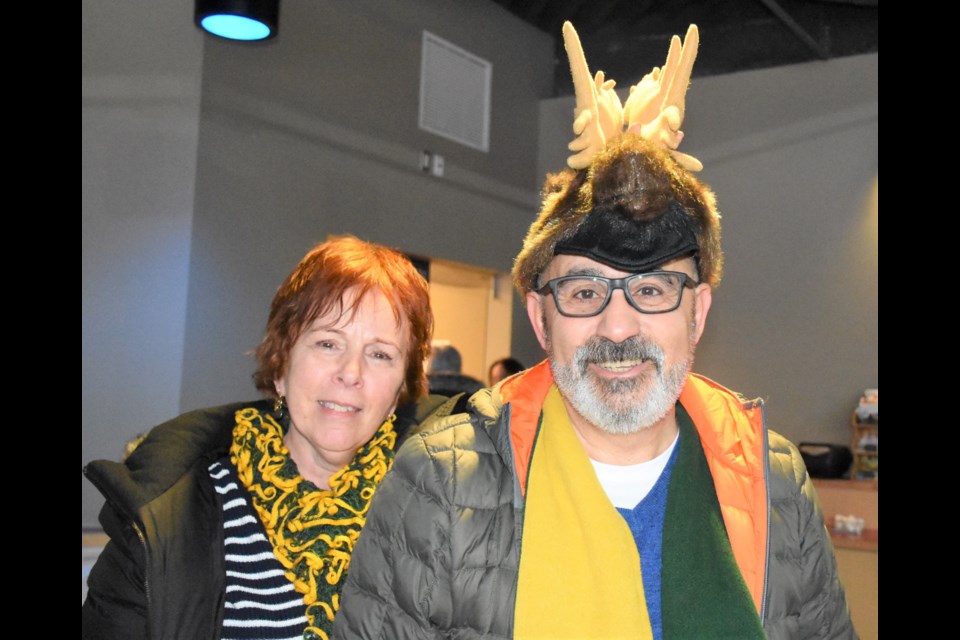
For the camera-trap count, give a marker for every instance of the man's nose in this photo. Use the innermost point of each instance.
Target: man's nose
(619, 320)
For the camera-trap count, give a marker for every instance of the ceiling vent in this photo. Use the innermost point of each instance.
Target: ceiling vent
(455, 93)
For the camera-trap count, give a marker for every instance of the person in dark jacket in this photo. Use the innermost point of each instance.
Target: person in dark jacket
(239, 521)
(607, 492)
(445, 372)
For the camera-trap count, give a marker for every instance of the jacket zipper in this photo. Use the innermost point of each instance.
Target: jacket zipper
(766, 488)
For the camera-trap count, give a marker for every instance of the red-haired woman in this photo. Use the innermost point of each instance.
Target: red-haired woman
(239, 521)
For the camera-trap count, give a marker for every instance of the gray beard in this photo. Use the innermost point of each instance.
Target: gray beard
(620, 406)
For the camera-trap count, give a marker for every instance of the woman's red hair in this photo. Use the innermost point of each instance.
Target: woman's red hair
(317, 286)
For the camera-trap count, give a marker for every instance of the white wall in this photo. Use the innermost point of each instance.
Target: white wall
(792, 154)
(140, 114)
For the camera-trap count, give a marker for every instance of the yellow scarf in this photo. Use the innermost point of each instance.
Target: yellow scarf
(579, 565)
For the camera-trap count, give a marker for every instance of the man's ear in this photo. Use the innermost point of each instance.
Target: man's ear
(704, 297)
(535, 313)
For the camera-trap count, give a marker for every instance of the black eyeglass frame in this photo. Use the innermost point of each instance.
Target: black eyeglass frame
(613, 284)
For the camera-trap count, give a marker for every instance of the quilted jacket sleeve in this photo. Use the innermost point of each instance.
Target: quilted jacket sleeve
(824, 602)
(116, 604)
(806, 599)
(401, 560)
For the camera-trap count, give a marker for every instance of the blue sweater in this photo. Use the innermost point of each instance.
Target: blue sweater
(646, 524)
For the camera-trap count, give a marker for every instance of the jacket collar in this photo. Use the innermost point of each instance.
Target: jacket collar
(730, 428)
(525, 393)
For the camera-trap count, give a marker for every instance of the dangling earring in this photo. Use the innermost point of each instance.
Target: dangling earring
(280, 407)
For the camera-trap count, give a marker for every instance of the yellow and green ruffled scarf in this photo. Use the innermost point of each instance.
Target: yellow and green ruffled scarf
(312, 531)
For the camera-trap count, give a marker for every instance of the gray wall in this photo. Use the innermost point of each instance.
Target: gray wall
(792, 154)
(312, 134)
(140, 114)
(317, 134)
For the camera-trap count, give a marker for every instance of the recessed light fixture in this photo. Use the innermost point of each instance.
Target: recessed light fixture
(238, 19)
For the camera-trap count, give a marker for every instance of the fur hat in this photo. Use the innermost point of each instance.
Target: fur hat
(630, 200)
(634, 208)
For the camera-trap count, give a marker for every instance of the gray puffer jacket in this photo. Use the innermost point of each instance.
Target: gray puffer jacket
(440, 553)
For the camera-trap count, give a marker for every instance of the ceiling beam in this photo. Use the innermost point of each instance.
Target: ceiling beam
(797, 30)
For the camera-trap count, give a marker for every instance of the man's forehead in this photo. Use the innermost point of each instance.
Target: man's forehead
(571, 265)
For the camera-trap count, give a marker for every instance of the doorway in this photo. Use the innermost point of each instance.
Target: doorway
(472, 310)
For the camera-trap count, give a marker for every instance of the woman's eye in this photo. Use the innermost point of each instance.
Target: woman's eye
(382, 355)
(325, 344)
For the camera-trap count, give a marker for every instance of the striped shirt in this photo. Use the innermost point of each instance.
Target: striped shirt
(260, 602)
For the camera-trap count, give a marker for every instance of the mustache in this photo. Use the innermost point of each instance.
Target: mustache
(598, 349)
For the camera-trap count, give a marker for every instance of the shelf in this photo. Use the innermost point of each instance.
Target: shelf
(842, 484)
(869, 540)
(865, 462)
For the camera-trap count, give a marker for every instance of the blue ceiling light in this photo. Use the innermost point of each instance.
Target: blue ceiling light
(238, 19)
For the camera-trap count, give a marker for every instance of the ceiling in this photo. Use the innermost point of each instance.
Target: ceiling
(626, 38)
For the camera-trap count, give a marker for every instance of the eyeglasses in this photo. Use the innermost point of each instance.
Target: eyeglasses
(585, 296)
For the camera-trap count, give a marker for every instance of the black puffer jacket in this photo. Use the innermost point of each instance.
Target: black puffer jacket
(162, 574)
(440, 553)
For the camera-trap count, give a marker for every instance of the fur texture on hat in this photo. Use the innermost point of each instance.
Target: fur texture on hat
(643, 208)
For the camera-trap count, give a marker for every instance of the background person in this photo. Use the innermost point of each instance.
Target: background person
(239, 521)
(445, 373)
(504, 368)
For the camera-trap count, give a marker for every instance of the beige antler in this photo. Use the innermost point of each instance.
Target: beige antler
(655, 107)
(598, 115)
(657, 104)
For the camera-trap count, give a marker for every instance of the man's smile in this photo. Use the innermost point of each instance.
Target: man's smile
(620, 366)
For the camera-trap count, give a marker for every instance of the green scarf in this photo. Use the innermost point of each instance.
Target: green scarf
(703, 594)
(312, 531)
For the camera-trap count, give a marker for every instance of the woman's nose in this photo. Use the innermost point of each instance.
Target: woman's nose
(351, 369)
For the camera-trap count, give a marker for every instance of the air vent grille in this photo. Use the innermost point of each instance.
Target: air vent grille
(455, 93)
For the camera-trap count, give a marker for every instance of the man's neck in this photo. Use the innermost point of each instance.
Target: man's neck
(622, 449)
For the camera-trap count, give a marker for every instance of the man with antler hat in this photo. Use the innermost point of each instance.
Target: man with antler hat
(608, 492)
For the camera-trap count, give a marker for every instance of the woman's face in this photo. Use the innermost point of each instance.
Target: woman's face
(343, 378)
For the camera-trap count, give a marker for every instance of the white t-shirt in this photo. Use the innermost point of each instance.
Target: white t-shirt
(627, 485)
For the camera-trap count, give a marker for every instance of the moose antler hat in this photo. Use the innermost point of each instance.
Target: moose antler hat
(628, 199)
